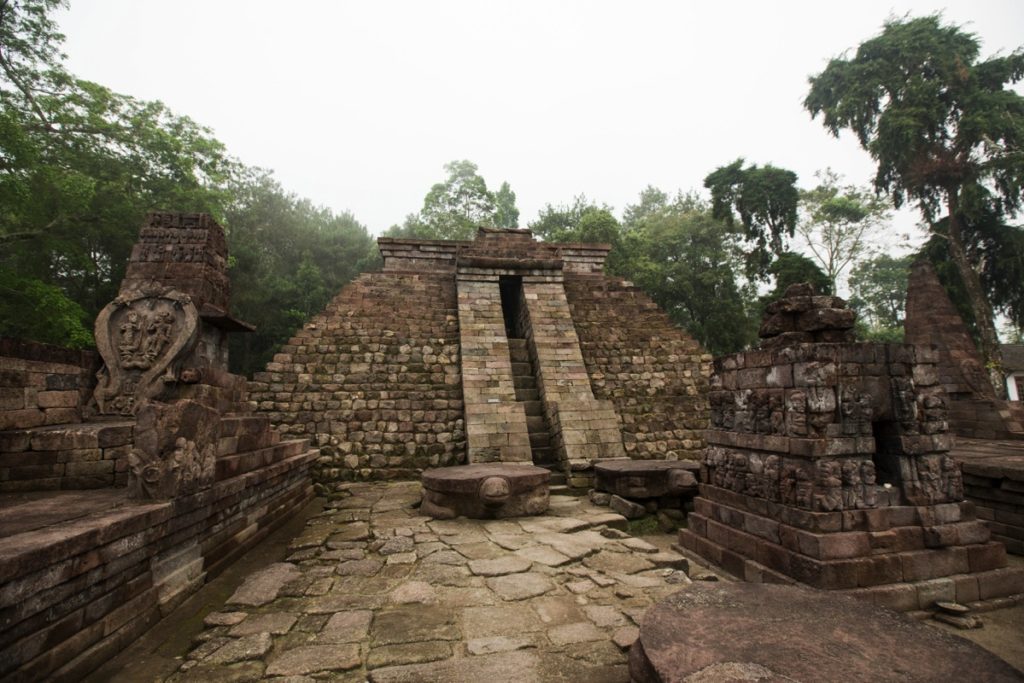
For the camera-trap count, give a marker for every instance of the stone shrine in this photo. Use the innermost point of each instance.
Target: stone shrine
(828, 465)
(122, 491)
(498, 350)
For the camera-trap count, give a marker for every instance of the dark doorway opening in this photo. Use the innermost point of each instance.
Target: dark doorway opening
(511, 287)
(887, 452)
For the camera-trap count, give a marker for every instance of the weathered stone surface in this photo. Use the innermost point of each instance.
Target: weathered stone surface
(263, 586)
(645, 479)
(307, 659)
(485, 491)
(250, 647)
(408, 653)
(413, 624)
(487, 646)
(797, 634)
(543, 554)
(520, 586)
(500, 620)
(346, 627)
(500, 566)
(580, 632)
(274, 623)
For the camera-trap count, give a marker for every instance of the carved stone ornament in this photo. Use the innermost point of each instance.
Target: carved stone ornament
(175, 450)
(141, 337)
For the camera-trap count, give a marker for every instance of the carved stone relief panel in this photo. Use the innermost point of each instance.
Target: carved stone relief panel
(142, 337)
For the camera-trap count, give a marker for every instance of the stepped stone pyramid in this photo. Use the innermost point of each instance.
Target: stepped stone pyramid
(502, 349)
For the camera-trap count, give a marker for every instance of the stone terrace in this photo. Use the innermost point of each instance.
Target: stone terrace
(374, 591)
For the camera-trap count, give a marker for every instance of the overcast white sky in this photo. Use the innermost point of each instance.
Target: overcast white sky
(357, 106)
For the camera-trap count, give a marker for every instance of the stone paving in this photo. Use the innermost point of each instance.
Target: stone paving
(374, 591)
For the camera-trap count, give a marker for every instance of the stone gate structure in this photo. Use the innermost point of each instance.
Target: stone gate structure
(498, 350)
(828, 465)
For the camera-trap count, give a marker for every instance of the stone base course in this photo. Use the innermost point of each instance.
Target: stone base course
(994, 482)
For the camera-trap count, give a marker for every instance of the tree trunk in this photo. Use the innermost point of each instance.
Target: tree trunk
(980, 306)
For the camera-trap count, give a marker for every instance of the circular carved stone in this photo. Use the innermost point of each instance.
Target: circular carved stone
(646, 478)
(485, 491)
(786, 633)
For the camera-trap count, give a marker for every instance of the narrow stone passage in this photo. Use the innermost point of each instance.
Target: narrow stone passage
(374, 591)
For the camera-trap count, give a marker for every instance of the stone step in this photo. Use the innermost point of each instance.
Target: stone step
(540, 440)
(527, 382)
(559, 489)
(533, 408)
(234, 465)
(522, 369)
(527, 395)
(543, 456)
(519, 356)
(516, 343)
(536, 424)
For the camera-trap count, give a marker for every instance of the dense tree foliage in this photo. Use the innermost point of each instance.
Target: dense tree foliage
(454, 208)
(687, 260)
(878, 288)
(945, 130)
(759, 201)
(80, 166)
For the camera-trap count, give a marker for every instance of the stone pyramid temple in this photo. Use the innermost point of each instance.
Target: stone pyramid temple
(501, 350)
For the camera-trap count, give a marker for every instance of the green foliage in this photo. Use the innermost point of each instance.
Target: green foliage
(945, 132)
(933, 117)
(879, 294)
(453, 209)
(791, 268)
(765, 201)
(686, 260)
(290, 258)
(998, 248)
(837, 221)
(81, 165)
(506, 214)
(562, 223)
(58, 318)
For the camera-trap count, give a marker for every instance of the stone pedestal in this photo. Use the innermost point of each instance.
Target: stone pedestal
(646, 479)
(485, 491)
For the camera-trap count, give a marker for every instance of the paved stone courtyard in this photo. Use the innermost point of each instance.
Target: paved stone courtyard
(374, 591)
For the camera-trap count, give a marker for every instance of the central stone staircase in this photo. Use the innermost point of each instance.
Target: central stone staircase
(527, 393)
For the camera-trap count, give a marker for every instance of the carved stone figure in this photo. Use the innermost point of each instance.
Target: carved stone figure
(796, 413)
(142, 337)
(952, 479)
(853, 494)
(772, 466)
(804, 488)
(175, 450)
(830, 483)
(868, 477)
(929, 472)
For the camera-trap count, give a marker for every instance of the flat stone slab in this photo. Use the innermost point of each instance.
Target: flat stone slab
(646, 478)
(485, 491)
(713, 631)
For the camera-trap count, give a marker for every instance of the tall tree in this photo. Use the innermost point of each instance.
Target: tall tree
(561, 223)
(686, 260)
(765, 201)
(453, 209)
(836, 223)
(879, 294)
(79, 167)
(506, 215)
(943, 128)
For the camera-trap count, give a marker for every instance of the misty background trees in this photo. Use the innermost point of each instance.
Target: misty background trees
(80, 165)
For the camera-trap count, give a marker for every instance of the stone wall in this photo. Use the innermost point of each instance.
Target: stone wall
(42, 384)
(374, 380)
(653, 372)
(931, 318)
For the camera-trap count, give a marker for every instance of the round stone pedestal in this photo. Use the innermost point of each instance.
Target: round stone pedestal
(646, 478)
(486, 491)
(756, 631)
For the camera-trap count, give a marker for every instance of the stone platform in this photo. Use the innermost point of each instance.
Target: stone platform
(485, 491)
(643, 479)
(373, 590)
(994, 481)
(735, 631)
